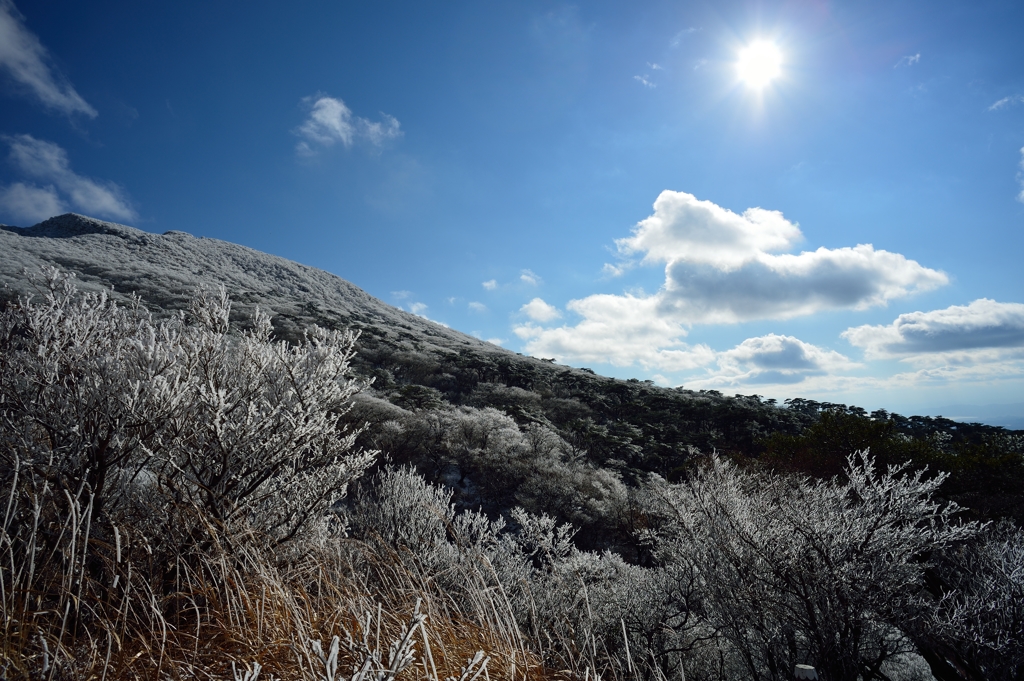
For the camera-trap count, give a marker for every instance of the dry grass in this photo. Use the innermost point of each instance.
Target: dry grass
(84, 603)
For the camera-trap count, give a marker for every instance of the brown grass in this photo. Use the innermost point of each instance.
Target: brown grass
(84, 604)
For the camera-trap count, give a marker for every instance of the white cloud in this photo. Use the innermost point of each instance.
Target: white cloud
(619, 330)
(982, 331)
(496, 341)
(645, 81)
(29, 202)
(330, 121)
(655, 67)
(685, 228)
(48, 163)
(477, 307)
(490, 284)
(610, 270)
(773, 359)
(1007, 102)
(418, 309)
(25, 60)
(528, 277)
(720, 268)
(539, 311)
(908, 60)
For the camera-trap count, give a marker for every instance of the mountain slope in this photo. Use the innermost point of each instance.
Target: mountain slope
(164, 269)
(432, 383)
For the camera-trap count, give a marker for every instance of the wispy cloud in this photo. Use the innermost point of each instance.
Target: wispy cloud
(528, 277)
(1007, 102)
(1020, 176)
(612, 271)
(490, 284)
(655, 67)
(908, 60)
(331, 122)
(540, 311)
(645, 81)
(477, 307)
(679, 37)
(24, 58)
(60, 186)
(720, 268)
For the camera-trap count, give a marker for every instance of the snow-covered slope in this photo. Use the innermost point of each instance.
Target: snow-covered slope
(164, 269)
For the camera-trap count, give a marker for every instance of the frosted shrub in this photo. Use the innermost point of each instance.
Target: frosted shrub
(402, 509)
(981, 623)
(105, 411)
(793, 570)
(260, 445)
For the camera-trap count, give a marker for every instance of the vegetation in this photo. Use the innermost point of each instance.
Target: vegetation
(187, 498)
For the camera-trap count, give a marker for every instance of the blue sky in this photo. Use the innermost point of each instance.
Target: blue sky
(592, 182)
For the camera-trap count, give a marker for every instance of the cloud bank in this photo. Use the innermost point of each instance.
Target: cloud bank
(24, 58)
(59, 188)
(331, 122)
(982, 329)
(721, 268)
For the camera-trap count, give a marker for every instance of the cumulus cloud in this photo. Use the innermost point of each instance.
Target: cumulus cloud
(539, 311)
(477, 307)
(24, 58)
(331, 122)
(721, 267)
(684, 228)
(490, 284)
(773, 359)
(620, 330)
(983, 330)
(48, 163)
(908, 60)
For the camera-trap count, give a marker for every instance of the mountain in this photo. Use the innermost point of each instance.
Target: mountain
(164, 269)
(499, 428)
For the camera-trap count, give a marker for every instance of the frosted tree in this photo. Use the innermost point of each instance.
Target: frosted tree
(793, 570)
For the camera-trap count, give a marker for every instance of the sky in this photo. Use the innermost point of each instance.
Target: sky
(791, 199)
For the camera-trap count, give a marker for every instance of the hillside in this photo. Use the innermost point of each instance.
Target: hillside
(565, 424)
(227, 488)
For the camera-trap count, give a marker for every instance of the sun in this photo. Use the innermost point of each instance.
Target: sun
(759, 63)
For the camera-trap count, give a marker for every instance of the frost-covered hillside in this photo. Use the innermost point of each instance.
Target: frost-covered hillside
(165, 269)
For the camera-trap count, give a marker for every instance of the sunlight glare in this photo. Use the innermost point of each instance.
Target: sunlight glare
(759, 64)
